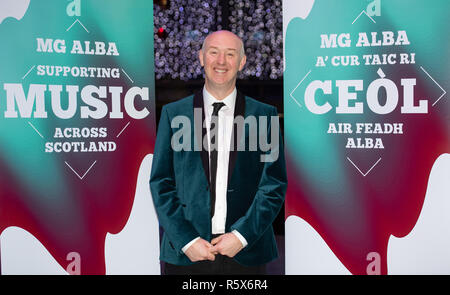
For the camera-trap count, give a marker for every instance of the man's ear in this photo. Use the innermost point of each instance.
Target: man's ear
(200, 57)
(242, 63)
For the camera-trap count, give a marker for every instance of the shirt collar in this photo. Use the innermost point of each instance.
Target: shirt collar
(229, 101)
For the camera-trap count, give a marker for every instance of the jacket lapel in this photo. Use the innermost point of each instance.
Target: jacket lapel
(239, 110)
(199, 105)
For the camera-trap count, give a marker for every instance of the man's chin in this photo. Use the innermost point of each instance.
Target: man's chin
(221, 83)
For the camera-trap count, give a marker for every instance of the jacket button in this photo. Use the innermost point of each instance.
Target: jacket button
(207, 188)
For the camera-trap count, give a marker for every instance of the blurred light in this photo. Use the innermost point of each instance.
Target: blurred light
(161, 33)
(181, 27)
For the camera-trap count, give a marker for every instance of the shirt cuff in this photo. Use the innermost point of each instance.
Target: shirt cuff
(184, 249)
(241, 238)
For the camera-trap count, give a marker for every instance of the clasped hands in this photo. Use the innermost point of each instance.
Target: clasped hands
(227, 244)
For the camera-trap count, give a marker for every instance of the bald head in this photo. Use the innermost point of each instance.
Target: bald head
(225, 33)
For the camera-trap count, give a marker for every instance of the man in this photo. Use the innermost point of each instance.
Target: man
(216, 204)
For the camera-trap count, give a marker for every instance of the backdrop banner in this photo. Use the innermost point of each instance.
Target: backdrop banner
(367, 130)
(77, 129)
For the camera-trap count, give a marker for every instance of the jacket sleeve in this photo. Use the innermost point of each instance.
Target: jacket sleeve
(269, 197)
(164, 189)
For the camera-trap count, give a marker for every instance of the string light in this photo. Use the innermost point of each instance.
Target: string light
(186, 23)
(180, 28)
(259, 24)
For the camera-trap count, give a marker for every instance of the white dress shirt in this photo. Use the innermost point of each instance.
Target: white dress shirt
(224, 133)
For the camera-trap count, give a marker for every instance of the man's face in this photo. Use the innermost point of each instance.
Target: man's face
(221, 59)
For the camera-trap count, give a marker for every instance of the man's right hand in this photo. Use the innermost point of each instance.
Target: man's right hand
(200, 250)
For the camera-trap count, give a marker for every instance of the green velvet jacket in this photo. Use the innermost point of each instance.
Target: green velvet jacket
(180, 186)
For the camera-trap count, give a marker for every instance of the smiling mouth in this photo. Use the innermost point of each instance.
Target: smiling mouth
(220, 71)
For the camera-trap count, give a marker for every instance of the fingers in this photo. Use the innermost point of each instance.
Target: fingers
(208, 254)
(215, 249)
(216, 240)
(226, 244)
(200, 250)
(211, 256)
(211, 251)
(219, 248)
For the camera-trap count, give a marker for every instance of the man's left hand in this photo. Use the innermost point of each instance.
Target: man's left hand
(227, 244)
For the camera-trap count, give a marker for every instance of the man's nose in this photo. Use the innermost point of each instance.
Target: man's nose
(221, 58)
